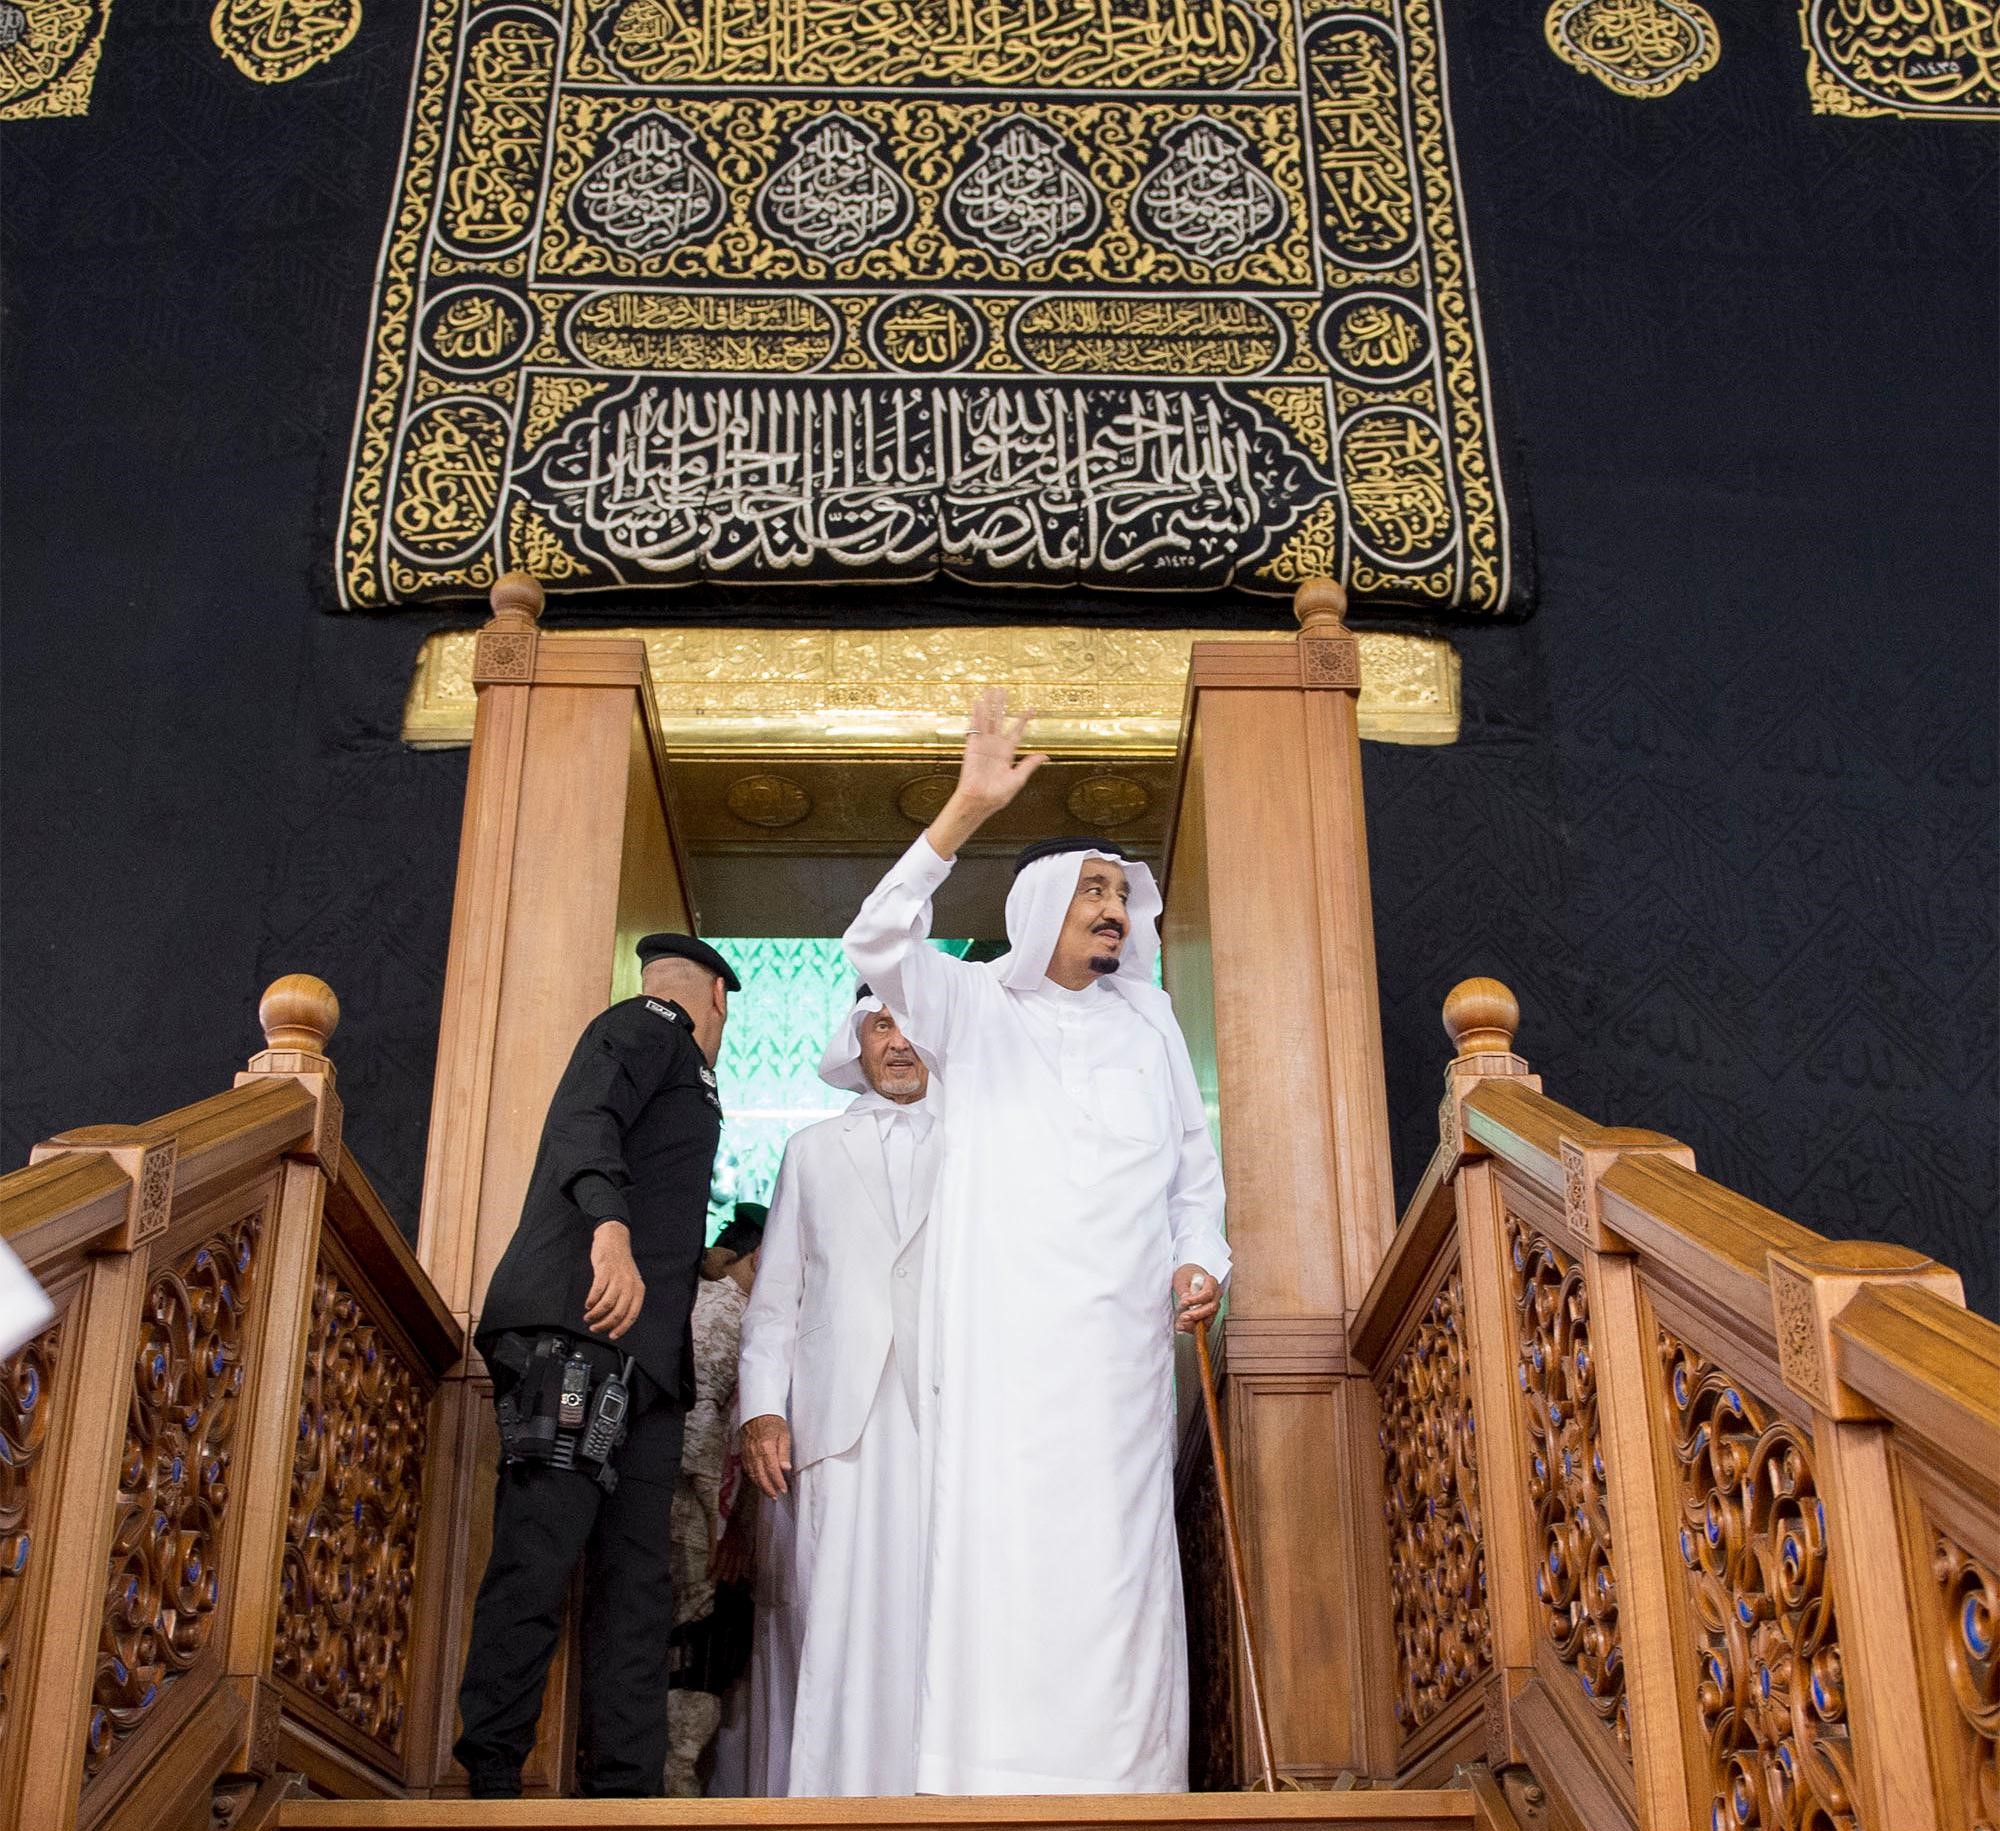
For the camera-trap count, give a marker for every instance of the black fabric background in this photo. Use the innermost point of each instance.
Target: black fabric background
(1723, 813)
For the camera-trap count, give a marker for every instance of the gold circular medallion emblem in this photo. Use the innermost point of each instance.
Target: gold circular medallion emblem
(1107, 801)
(922, 799)
(768, 801)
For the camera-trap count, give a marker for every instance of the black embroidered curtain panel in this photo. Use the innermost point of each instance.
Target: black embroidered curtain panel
(1144, 294)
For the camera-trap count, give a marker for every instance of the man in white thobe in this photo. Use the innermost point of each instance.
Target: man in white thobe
(827, 1386)
(753, 1745)
(774, 1652)
(1079, 1202)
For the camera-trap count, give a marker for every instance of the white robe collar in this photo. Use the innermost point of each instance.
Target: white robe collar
(917, 1112)
(1068, 995)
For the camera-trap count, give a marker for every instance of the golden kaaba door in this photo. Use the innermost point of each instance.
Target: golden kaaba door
(756, 783)
(801, 761)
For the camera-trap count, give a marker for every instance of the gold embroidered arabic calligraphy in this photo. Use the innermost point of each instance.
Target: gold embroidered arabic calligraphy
(1159, 292)
(1096, 44)
(1907, 57)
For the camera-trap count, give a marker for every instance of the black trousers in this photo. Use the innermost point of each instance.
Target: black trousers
(544, 1521)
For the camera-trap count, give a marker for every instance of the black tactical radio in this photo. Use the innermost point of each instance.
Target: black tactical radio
(606, 1429)
(560, 1410)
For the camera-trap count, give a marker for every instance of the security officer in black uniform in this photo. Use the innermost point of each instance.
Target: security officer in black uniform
(585, 1330)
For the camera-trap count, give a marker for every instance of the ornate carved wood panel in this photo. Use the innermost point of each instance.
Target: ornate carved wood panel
(26, 1393)
(1437, 1556)
(343, 1634)
(1753, 1541)
(174, 1485)
(1576, 1574)
(1211, 1630)
(1971, 1591)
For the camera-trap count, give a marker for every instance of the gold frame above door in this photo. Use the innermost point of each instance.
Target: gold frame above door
(1106, 694)
(824, 743)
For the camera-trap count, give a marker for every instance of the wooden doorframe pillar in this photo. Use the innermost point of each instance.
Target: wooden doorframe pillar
(567, 854)
(1270, 946)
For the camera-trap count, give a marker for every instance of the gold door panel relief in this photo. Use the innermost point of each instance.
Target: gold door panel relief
(1105, 693)
(818, 743)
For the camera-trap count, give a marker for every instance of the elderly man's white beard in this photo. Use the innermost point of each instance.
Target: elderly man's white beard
(901, 1084)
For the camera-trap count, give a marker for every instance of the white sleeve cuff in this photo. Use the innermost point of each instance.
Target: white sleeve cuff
(1207, 1249)
(921, 866)
(760, 1397)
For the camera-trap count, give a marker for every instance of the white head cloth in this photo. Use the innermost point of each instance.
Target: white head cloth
(1036, 906)
(840, 1066)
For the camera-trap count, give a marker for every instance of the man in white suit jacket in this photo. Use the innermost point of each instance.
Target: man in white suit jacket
(827, 1388)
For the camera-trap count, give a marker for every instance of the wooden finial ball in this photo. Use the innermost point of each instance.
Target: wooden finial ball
(517, 597)
(1318, 602)
(1481, 1016)
(300, 1013)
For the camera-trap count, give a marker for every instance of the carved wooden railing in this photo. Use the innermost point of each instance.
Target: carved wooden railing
(1691, 1511)
(214, 1463)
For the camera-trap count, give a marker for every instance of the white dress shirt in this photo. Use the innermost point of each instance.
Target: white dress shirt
(901, 1128)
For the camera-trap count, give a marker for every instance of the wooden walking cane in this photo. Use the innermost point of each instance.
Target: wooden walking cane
(1239, 1588)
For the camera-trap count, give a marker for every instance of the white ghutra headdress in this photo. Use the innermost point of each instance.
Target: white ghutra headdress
(1045, 880)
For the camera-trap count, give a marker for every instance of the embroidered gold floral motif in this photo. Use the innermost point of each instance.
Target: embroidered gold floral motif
(1111, 291)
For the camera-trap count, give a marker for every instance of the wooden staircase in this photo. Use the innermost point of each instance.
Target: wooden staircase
(1590, 1496)
(1726, 1550)
(1429, 1810)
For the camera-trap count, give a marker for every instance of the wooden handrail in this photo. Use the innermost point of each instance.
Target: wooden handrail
(213, 1138)
(1928, 1364)
(63, 1205)
(1427, 1224)
(1688, 1407)
(158, 1436)
(1522, 1127)
(368, 1231)
(1705, 1234)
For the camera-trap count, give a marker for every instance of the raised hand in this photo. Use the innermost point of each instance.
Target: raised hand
(991, 775)
(993, 771)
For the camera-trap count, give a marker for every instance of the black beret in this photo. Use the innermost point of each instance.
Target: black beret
(1048, 848)
(745, 1233)
(688, 947)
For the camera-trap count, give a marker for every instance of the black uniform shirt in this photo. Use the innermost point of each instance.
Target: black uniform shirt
(636, 1108)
